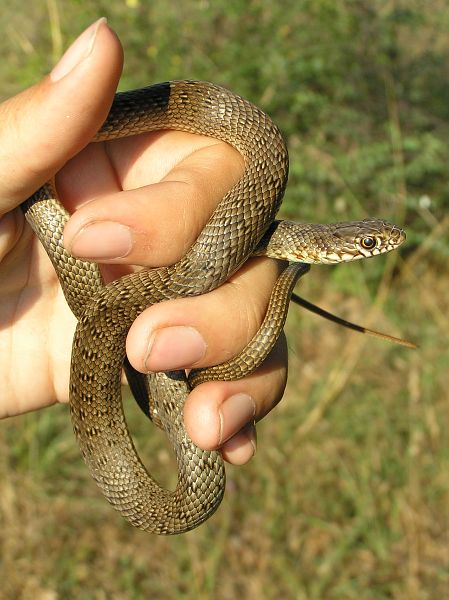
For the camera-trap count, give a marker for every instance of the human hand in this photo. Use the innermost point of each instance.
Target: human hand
(142, 199)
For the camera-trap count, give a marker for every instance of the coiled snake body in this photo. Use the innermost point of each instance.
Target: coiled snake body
(243, 218)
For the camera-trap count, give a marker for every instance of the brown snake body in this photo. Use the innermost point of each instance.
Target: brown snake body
(243, 218)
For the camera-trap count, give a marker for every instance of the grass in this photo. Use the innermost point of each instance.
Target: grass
(348, 496)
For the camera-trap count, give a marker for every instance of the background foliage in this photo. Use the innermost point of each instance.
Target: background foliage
(348, 496)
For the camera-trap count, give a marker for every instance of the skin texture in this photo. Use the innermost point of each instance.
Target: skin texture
(165, 178)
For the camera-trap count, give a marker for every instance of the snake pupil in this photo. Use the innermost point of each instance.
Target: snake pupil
(369, 243)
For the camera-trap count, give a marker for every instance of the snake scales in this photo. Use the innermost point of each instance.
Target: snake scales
(244, 217)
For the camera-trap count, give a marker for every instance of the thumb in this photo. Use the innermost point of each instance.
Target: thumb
(47, 124)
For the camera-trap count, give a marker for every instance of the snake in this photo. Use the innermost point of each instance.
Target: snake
(243, 224)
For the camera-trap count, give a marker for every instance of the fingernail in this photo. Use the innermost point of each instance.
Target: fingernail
(235, 412)
(241, 447)
(78, 51)
(172, 348)
(103, 240)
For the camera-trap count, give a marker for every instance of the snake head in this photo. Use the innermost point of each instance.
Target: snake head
(361, 239)
(329, 244)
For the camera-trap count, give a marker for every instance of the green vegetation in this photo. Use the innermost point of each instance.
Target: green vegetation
(348, 496)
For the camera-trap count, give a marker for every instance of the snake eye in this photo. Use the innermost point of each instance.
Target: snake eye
(368, 243)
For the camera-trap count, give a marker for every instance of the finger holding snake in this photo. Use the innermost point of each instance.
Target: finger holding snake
(167, 208)
(127, 181)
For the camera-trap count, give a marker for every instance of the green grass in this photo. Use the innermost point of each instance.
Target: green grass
(348, 496)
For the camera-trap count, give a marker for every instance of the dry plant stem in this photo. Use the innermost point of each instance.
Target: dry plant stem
(408, 273)
(413, 500)
(426, 246)
(55, 30)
